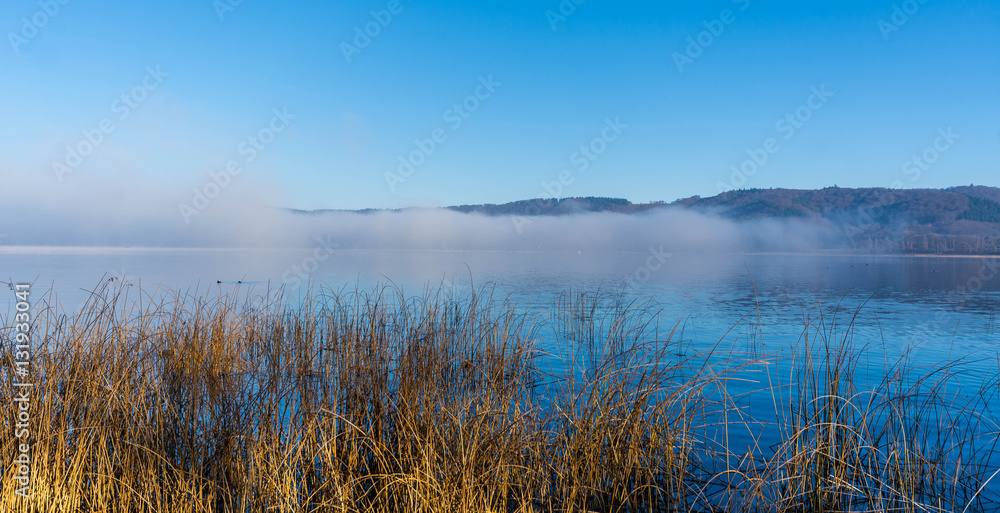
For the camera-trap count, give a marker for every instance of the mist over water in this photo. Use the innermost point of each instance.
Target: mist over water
(900, 300)
(694, 263)
(237, 220)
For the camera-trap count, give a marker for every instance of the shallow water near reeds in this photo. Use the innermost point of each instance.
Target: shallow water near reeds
(937, 308)
(755, 309)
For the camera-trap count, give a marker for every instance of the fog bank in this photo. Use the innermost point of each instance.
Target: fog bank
(235, 221)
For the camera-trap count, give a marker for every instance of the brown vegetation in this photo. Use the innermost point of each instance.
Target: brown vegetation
(372, 402)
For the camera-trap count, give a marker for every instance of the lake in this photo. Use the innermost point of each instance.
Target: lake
(938, 308)
(933, 309)
(947, 305)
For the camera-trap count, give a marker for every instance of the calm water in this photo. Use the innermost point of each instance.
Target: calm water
(945, 305)
(946, 308)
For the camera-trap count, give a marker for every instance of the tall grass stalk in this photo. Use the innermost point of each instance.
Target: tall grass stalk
(371, 401)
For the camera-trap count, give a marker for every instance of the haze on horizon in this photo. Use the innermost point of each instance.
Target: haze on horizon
(190, 123)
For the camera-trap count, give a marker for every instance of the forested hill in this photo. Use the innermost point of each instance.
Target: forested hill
(933, 206)
(927, 206)
(956, 220)
(538, 207)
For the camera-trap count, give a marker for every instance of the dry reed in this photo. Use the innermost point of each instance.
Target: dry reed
(372, 401)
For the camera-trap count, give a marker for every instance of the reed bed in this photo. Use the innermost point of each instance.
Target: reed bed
(371, 401)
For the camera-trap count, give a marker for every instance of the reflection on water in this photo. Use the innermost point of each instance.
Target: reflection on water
(753, 307)
(946, 305)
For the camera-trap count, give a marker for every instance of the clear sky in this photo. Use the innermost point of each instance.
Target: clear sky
(676, 114)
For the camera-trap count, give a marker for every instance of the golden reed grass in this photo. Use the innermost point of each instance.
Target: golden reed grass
(375, 402)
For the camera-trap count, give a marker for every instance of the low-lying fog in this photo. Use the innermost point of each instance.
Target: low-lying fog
(233, 221)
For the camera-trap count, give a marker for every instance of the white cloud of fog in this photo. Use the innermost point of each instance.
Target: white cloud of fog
(675, 229)
(133, 214)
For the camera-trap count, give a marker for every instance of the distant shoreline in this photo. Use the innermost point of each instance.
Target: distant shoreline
(916, 255)
(96, 250)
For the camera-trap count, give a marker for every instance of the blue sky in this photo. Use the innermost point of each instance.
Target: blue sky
(896, 85)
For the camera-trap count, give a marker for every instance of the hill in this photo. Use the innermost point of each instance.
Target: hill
(956, 220)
